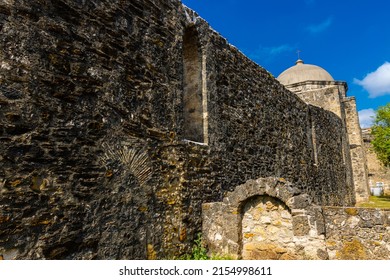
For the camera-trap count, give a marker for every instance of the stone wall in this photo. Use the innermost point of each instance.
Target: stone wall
(331, 96)
(326, 95)
(358, 156)
(266, 226)
(95, 157)
(357, 233)
(243, 111)
(91, 106)
(266, 219)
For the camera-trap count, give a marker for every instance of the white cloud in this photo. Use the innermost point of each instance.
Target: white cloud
(279, 49)
(317, 28)
(377, 83)
(366, 117)
(267, 53)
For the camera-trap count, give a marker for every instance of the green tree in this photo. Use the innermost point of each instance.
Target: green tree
(381, 134)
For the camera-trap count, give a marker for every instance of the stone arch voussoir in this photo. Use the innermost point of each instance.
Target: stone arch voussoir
(271, 186)
(222, 220)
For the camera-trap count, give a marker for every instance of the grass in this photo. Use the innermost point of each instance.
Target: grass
(376, 202)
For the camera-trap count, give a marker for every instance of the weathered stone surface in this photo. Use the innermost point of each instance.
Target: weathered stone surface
(267, 252)
(263, 226)
(301, 225)
(301, 201)
(265, 220)
(356, 233)
(331, 95)
(358, 156)
(95, 163)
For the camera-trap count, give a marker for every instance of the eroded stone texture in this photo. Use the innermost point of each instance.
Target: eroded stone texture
(316, 87)
(95, 163)
(357, 233)
(266, 229)
(358, 155)
(273, 226)
(262, 219)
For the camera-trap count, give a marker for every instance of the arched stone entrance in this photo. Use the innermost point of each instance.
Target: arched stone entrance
(267, 218)
(267, 230)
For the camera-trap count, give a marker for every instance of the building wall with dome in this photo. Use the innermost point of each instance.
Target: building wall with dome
(316, 86)
(120, 120)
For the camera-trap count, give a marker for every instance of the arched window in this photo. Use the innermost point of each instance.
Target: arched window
(193, 103)
(313, 138)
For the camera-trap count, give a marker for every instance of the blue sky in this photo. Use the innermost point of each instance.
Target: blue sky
(348, 38)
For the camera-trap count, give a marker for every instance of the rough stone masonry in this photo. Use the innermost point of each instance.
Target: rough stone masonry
(120, 119)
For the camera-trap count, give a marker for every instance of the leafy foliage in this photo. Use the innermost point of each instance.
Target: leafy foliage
(199, 252)
(381, 133)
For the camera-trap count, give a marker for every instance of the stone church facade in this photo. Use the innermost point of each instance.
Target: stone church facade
(128, 127)
(269, 231)
(316, 86)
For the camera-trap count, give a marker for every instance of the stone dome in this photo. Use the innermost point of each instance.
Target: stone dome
(301, 72)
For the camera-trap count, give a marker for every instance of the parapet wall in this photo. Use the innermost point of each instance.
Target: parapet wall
(97, 158)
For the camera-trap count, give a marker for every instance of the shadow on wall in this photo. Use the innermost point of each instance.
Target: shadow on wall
(192, 94)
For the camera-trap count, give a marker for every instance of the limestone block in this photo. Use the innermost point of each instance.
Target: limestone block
(322, 254)
(301, 201)
(265, 220)
(301, 225)
(352, 221)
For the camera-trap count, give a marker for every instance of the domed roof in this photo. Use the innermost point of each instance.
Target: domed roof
(301, 72)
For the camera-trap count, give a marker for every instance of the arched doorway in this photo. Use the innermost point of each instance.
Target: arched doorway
(265, 218)
(267, 229)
